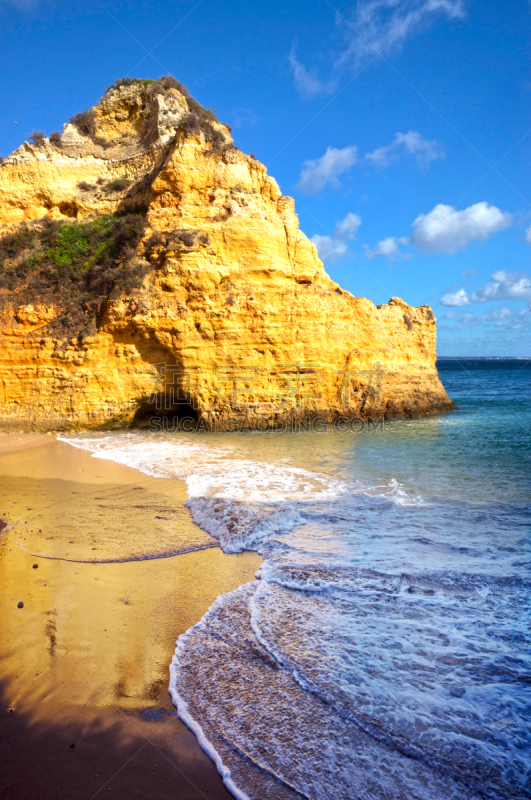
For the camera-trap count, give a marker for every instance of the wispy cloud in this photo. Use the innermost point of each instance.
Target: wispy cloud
(22, 5)
(330, 248)
(371, 27)
(306, 82)
(528, 235)
(502, 286)
(503, 318)
(374, 26)
(325, 171)
(244, 117)
(412, 143)
(388, 248)
(445, 230)
(318, 173)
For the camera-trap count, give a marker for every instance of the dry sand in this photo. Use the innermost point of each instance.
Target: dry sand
(84, 664)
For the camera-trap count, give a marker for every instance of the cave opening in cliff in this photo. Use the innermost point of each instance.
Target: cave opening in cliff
(163, 411)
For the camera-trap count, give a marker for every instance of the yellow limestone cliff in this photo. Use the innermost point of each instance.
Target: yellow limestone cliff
(234, 320)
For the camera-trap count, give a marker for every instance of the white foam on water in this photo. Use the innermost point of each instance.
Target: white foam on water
(429, 663)
(262, 722)
(221, 471)
(182, 706)
(414, 676)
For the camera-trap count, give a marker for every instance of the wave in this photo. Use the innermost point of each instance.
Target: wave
(350, 668)
(221, 471)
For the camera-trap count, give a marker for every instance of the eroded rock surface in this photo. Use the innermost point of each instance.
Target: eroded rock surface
(235, 318)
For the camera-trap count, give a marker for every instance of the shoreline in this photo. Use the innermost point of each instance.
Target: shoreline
(85, 663)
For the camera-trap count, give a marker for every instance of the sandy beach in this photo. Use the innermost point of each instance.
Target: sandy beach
(85, 710)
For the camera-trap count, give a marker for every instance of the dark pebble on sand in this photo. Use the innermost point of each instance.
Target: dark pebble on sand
(20, 605)
(35, 566)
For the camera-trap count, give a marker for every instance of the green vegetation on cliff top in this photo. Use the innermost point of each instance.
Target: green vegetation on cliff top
(76, 267)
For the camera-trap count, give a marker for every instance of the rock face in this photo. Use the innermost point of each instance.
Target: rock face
(235, 320)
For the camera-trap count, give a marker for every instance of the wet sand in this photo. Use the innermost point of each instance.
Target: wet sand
(13, 442)
(84, 709)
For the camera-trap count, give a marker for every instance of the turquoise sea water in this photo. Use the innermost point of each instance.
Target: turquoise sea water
(384, 650)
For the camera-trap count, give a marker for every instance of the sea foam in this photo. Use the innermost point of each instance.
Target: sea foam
(397, 623)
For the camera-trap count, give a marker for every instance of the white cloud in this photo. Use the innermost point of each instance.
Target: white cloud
(377, 25)
(330, 248)
(348, 227)
(320, 172)
(456, 299)
(501, 318)
(305, 82)
(411, 142)
(528, 235)
(446, 230)
(502, 286)
(389, 248)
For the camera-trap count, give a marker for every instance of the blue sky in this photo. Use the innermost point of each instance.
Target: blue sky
(401, 127)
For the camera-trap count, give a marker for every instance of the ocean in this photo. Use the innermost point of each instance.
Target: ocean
(384, 649)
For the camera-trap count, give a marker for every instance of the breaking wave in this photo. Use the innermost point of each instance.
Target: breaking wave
(383, 650)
